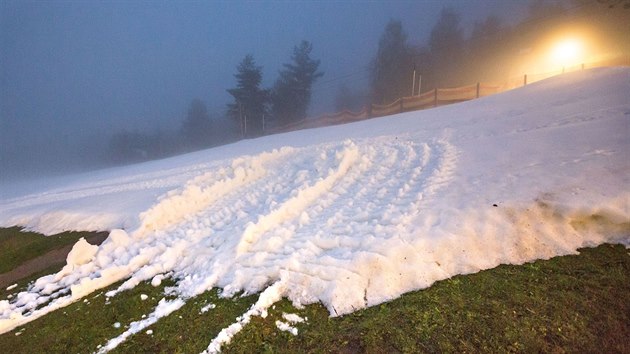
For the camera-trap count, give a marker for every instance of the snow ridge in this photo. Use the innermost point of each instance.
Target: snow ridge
(196, 196)
(298, 203)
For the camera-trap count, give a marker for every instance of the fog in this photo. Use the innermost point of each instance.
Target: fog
(80, 79)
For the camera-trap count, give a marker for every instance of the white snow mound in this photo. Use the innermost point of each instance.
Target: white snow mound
(353, 215)
(81, 253)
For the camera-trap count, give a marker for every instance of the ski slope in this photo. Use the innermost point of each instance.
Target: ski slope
(349, 216)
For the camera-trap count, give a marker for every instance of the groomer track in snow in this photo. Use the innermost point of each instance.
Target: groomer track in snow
(349, 216)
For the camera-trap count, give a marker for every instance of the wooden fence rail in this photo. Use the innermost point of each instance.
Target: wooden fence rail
(438, 97)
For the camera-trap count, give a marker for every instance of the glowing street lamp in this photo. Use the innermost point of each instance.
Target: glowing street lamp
(568, 52)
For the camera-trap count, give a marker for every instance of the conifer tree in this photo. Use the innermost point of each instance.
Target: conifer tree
(249, 106)
(291, 93)
(392, 69)
(447, 46)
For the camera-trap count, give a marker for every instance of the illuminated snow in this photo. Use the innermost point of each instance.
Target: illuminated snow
(349, 216)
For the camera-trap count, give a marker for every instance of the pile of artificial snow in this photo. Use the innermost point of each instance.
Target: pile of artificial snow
(353, 215)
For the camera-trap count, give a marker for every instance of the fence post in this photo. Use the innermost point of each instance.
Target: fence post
(401, 105)
(524, 79)
(435, 97)
(413, 84)
(477, 90)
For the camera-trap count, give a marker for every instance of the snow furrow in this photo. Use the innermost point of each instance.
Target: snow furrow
(196, 197)
(295, 205)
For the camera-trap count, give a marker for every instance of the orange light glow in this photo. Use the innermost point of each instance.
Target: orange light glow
(568, 52)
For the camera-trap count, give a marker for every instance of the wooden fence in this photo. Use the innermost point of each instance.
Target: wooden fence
(438, 97)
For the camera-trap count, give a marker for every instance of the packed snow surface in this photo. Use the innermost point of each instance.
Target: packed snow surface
(349, 216)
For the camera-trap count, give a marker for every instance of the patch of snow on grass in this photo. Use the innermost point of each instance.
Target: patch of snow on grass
(285, 327)
(164, 308)
(292, 318)
(207, 308)
(267, 298)
(352, 215)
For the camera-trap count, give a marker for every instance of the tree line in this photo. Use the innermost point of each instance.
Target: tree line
(252, 110)
(492, 51)
(448, 58)
(287, 101)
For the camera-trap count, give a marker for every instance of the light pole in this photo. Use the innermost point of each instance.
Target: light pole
(567, 53)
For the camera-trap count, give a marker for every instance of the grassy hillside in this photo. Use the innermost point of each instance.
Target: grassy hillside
(19, 246)
(565, 304)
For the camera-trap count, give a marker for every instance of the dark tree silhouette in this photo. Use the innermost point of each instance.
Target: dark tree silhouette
(447, 46)
(489, 51)
(392, 69)
(291, 94)
(249, 106)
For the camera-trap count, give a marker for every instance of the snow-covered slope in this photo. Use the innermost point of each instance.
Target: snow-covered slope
(350, 215)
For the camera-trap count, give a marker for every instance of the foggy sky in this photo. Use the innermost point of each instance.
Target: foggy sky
(76, 70)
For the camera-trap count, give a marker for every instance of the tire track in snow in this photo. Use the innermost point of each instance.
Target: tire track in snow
(407, 174)
(293, 181)
(196, 196)
(209, 251)
(301, 196)
(338, 206)
(296, 205)
(323, 267)
(340, 197)
(416, 172)
(414, 176)
(203, 238)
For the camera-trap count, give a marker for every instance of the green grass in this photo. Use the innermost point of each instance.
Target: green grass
(19, 246)
(567, 304)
